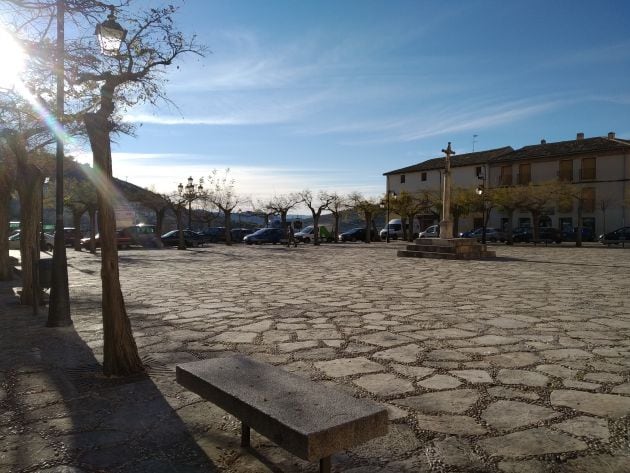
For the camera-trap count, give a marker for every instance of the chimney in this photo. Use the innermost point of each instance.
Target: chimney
(543, 142)
(580, 136)
(611, 135)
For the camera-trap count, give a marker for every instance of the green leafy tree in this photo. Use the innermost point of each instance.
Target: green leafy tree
(368, 207)
(508, 199)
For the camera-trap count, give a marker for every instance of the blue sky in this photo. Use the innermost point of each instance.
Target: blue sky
(331, 94)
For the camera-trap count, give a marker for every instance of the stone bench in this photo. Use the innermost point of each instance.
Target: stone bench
(308, 419)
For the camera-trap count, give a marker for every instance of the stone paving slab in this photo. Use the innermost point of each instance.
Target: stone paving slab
(520, 364)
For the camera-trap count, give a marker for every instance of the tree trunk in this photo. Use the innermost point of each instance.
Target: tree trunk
(368, 227)
(159, 220)
(30, 182)
(578, 236)
(120, 353)
(76, 223)
(5, 270)
(181, 245)
(228, 226)
(509, 236)
(315, 228)
(535, 220)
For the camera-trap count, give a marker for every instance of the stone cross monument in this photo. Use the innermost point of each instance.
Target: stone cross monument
(446, 225)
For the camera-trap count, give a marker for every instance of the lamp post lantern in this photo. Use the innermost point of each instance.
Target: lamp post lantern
(390, 194)
(110, 34)
(189, 193)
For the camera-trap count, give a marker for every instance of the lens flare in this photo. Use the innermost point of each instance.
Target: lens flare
(12, 60)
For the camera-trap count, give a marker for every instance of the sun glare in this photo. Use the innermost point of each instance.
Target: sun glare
(12, 59)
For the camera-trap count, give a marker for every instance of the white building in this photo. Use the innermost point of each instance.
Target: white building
(599, 168)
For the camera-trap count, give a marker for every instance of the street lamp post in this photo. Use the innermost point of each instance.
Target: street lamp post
(42, 238)
(190, 195)
(239, 218)
(481, 190)
(59, 301)
(390, 194)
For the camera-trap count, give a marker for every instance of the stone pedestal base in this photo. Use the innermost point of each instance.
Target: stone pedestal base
(447, 248)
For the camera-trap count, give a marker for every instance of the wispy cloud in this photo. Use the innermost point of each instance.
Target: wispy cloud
(434, 121)
(163, 172)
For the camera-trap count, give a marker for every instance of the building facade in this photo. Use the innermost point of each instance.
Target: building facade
(598, 169)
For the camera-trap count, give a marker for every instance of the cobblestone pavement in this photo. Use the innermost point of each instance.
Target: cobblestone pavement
(519, 364)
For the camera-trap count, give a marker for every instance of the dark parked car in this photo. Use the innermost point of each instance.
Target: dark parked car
(136, 235)
(68, 236)
(545, 234)
(265, 235)
(492, 234)
(571, 234)
(237, 234)
(620, 235)
(191, 239)
(214, 234)
(357, 234)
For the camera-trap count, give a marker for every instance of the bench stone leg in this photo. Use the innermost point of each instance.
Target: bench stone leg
(325, 465)
(245, 434)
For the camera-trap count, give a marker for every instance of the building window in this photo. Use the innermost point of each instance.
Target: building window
(402, 178)
(588, 169)
(478, 171)
(588, 199)
(506, 175)
(565, 172)
(423, 176)
(524, 174)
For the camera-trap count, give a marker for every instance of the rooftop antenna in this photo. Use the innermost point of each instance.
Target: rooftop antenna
(474, 141)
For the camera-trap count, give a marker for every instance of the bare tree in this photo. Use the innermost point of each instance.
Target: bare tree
(338, 203)
(281, 204)
(222, 194)
(126, 77)
(316, 204)
(177, 203)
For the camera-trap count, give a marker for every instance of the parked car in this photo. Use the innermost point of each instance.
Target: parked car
(357, 234)
(430, 232)
(265, 235)
(468, 234)
(68, 236)
(308, 233)
(237, 234)
(121, 241)
(141, 234)
(191, 239)
(394, 227)
(14, 241)
(545, 234)
(214, 234)
(571, 234)
(620, 235)
(492, 234)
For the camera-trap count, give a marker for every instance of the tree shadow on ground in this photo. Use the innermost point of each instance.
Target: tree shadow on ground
(58, 410)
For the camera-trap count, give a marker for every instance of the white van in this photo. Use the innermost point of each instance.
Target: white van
(395, 230)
